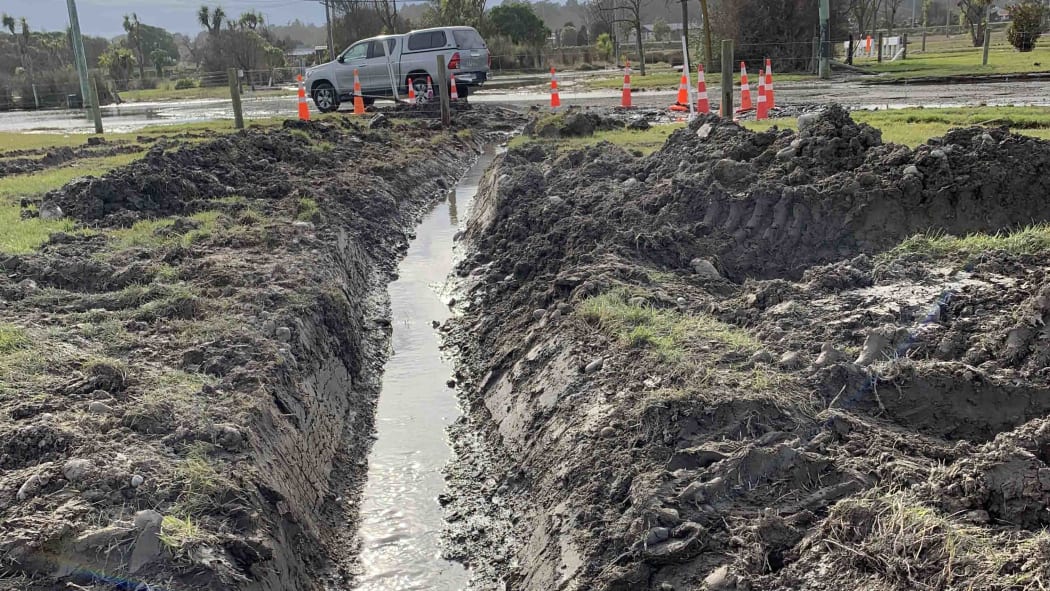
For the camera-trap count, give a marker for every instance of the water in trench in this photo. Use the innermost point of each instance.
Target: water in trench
(401, 521)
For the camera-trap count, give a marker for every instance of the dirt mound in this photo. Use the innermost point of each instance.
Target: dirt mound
(27, 161)
(772, 204)
(710, 368)
(183, 180)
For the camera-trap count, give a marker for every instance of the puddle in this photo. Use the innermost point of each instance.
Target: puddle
(401, 521)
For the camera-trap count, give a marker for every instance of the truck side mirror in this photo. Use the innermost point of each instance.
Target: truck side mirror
(341, 59)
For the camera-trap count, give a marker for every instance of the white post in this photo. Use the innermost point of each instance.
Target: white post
(688, 82)
(390, 70)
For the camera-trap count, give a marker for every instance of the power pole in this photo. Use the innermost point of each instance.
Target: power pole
(90, 98)
(331, 35)
(825, 40)
(708, 50)
(685, 27)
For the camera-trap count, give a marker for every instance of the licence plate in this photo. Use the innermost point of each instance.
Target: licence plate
(465, 77)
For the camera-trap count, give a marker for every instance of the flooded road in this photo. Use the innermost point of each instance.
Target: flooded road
(851, 94)
(401, 521)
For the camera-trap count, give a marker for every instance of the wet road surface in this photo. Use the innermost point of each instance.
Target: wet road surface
(131, 117)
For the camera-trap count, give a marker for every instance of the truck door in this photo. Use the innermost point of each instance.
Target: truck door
(354, 57)
(377, 69)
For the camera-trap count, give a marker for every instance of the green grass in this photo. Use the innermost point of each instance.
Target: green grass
(165, 91)
(306, 208)
(901, 540)
(1002, 59)
(915, 126)
(10, 141)
(12, 339)
(1030, 240)
(149, 233)
(669, 333)
(45, 180)
(176, 532)
(24, 236)
(645, 142)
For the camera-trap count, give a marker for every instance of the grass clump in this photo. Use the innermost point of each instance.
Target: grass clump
(1031, 240)
(154, 233)
(669, 333)
(306, 209)
(180, 303)
(910, 545)
(177, 532)
(12, 338)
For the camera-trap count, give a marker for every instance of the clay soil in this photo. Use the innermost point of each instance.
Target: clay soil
(757, 361)
(187, 380)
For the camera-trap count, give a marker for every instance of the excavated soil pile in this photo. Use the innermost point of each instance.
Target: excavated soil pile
(188, 380)
(714, 367)
(27, 161)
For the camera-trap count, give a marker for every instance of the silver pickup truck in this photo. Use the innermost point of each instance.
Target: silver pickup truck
(410, 56)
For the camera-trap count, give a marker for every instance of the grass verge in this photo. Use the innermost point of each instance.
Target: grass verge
(1031, 240)
(167, 92)
(1002, 59)
(912, 127)
(644, 142)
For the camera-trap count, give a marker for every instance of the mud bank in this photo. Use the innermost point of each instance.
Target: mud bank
(190, 378)
(719, 367)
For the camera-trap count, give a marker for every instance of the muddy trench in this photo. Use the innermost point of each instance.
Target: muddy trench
(401, 522)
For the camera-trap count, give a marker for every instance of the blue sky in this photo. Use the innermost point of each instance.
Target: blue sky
(104, 17)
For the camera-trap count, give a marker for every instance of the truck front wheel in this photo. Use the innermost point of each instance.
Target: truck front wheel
(325, 97)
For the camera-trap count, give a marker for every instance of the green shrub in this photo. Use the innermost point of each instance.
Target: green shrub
(185, 84)
(1026, 26)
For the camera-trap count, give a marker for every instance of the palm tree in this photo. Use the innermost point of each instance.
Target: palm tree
(134, 30)
(211, 19)
(251, 20)
(21, 41)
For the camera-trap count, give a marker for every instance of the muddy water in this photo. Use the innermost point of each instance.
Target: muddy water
(401, 521)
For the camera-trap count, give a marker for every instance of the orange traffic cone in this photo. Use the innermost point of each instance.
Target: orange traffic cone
(304, 108)
(359, 102)
(762, 111)
(453, 94)
(702, 104)
(745, 90)
(625, 100)
(430, 89)
(770, 103)
(411, 91)
(682, 102)
(555, 99)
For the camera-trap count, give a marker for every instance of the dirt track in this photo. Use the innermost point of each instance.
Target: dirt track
(706, 368)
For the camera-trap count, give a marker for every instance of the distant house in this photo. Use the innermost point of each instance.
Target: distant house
(304, 56)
